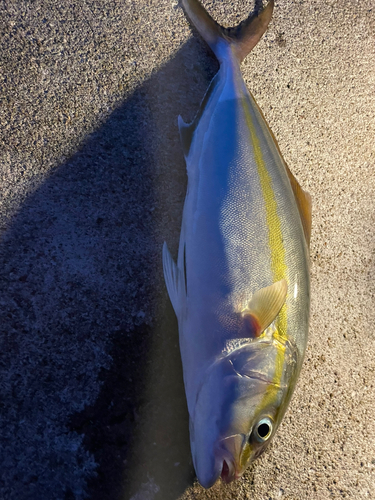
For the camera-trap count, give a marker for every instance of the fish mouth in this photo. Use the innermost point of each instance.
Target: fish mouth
(229, 472)
(230, 452)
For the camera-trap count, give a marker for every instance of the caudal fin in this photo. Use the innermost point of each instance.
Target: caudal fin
(242, 39)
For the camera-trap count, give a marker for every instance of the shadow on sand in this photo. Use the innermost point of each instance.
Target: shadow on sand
(84, 300)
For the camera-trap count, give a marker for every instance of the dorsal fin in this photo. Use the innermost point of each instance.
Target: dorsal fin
(304, 204)
(242, 39)
(302, 197)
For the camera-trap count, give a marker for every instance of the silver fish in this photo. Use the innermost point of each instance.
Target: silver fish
(241, 288)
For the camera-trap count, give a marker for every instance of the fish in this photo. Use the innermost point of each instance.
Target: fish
(241, 286)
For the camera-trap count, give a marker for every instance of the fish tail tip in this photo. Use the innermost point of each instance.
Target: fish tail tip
(242, 39)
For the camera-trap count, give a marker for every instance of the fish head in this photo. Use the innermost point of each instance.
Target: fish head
(239, 406)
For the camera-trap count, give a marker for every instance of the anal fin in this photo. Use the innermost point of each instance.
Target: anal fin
(186, 134)
(172, 277)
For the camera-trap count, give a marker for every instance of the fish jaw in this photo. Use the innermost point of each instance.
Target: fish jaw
(230, 451)
(224, 462)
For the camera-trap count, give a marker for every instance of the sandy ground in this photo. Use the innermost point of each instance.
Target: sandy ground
(92, 183)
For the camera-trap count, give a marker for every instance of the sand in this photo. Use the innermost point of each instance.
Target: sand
(93, 181)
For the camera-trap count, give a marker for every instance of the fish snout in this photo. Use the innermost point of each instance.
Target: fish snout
(223, 463)
(207, 476)
(207, 467)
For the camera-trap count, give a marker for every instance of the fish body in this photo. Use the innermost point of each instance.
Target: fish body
(241, 287)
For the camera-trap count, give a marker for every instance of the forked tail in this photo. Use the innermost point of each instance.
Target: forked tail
(242, 39)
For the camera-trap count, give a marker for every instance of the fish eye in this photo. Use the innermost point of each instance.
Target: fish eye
(263, 430)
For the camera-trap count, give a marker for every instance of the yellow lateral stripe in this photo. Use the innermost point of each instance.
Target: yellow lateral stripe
(275, 238)
(277, 249)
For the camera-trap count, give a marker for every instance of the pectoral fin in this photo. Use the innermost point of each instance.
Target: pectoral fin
(263, 307)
